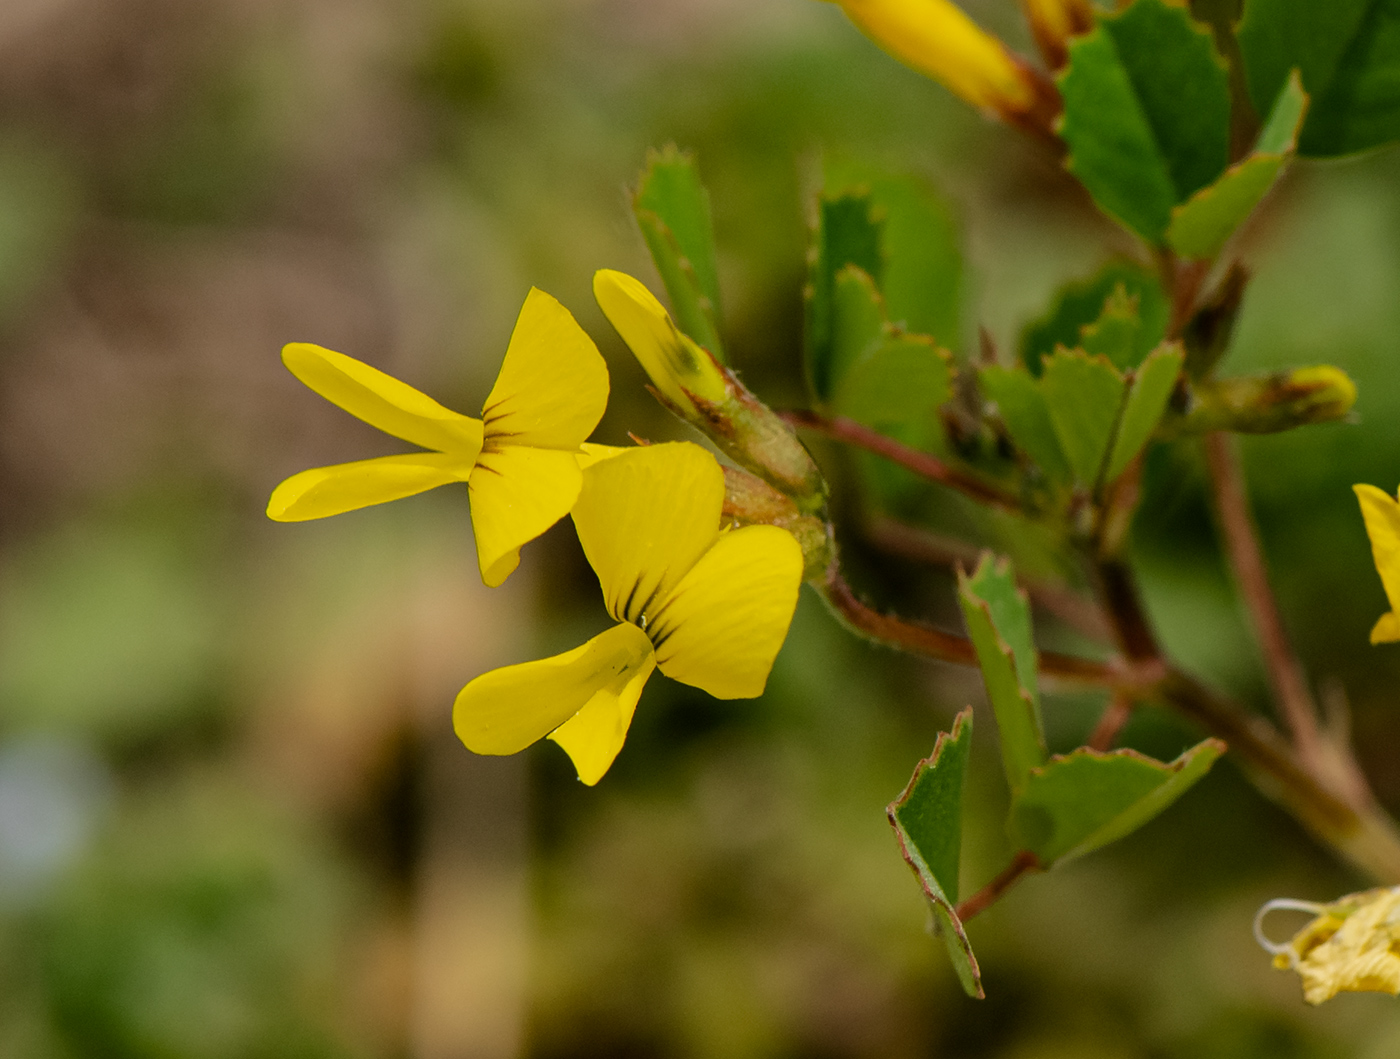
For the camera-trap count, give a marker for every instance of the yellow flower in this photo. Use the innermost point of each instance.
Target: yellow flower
(937, 38)
(1348, 947)
(519, 460)
(1382, 515)
(709, 606)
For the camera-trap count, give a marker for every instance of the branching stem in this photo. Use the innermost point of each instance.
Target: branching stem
(921, 463)
(1247, 561)
(1020, 865)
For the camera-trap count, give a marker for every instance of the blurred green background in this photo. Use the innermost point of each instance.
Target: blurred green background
(234, 821)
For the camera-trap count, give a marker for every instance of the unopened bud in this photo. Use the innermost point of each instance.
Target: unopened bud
(937, 38)
(750, 501)
(696, 387)
(1264, 404)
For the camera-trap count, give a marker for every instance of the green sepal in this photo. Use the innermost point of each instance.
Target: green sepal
(1201, 225)
(927, 822)
(1151, 389)
(1348, 52)
(901, 379)
(1079, 802)
(1081, 303)
(1084, 395)
(673, 211)
(998, 619)
(921, 247)
(1147, 113)
(1023, 410)
(846, 234)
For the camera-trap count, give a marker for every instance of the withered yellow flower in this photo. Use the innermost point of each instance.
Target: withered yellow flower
(1347, 947)
(519, 461)
(709, 606)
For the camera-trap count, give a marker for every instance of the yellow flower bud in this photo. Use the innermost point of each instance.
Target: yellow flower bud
(937, 38)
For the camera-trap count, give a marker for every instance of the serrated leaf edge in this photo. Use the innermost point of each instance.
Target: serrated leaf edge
(934, 892)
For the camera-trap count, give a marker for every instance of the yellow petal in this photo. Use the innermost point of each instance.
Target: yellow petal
(1386, 629)
(1382, 516)
(505, 710)
(721, 627)
(672, 360)
(553, 385)
(937, 38)
(644, 517)
(593, 736)
(590, 453)
(382, 401)
(517, 493)
(347, 486)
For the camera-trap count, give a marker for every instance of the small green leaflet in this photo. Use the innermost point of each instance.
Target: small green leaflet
(1023, 409)
(1147, 113)
(901, 379)
(1348, 52)
(1081, 303)
(1079, 802)
(1201, 225)
(846, 234)
(999, 623)
(673, 212)
(1084, 395)
(1152, 387)
(921, 246)
(927, 822)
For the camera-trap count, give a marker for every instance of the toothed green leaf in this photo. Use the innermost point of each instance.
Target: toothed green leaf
(927, 821)
(673, 212)
(1147, 113)
(1080, 802)
(999, 623)
(1148, 395)
(1348, 52)
(1084, 395)
(846, 234)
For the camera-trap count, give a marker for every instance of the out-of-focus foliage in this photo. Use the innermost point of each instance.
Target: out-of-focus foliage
(232, 821)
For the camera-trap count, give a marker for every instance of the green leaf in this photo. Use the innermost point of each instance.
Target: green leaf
(1116, 334)
(1348, 52)
(1079, 802)
(1147, 113)
(846, 234)
(999, 622)
(1027, 417)
(927, 821)
(1083, 302)
(922, 248)
(1152, 387)
(857, 323)
(1084, 395)
(902, 379)
(673, 211)
(1202, 224)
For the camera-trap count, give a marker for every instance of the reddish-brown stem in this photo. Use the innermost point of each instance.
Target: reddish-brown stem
(1111, 722)
(1075, 610)
(950, 647)
(1247, 561)
(921, 463)
(1021, 864)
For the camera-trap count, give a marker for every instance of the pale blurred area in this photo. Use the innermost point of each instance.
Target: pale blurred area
(234, 820)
